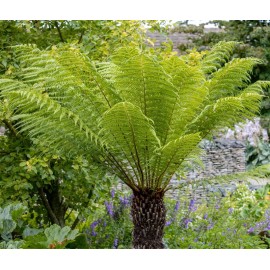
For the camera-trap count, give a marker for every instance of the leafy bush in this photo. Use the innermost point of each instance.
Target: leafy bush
(15, 232)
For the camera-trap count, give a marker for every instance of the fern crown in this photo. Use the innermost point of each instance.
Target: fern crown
(140, 116)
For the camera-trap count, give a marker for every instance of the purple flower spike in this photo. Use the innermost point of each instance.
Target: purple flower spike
(186, 221)
(205, 216)
(177, 206)
(112, 193)
(192, 207)
(93, 233)
(217, 206)
(250, 230)
(94, 224)
(115, 243)
(109, 208)
(230, 210)
(124, 201)
(210, 226)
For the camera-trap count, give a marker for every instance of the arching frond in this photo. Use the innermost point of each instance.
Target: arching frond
(191, 93)
(217, 56)
(231, 78)
(39, 115)
(225, 112)
(172, 155)
(131, 139)
(142, 81)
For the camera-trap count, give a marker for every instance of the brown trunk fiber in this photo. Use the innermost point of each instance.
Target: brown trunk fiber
(149, 213)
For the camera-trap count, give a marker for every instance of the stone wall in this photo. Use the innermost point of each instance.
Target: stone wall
(177, 38)
(221, 157)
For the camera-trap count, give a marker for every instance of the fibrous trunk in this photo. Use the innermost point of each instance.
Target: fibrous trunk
(148, 212)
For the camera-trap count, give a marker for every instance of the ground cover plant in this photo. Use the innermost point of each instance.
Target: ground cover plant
(232, 222)
(140, 115)
(239, 220)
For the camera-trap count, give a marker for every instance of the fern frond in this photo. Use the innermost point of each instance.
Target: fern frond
(225, 112)
(131, 138)
(191, 93)
(88, 74)
(142, 81)
(39, 115)
(257, 87)
(217, 56)
(228, 80)
(173, 154)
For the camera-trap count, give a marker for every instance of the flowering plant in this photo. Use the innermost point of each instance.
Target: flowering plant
(224, 223)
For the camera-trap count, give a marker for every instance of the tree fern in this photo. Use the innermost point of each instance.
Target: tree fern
(140, 116)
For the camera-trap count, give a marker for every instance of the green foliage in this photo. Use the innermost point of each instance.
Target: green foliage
(258, 155)
(16, 233)
(97, 38)
(53, 237)
(80, 242)
(11, 220)
(221, 224)
(231, 222)
(26, 168)
(111, 226)
(124, 114)
(253, 38)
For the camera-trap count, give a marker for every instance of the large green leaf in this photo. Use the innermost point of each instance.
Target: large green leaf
(52, 237)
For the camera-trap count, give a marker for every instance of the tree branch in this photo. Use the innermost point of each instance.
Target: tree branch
(59, 31)
(47, 206)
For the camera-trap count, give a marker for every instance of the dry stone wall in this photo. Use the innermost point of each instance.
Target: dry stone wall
(221, 157)
(177, 38)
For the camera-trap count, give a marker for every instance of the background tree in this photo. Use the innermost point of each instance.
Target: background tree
(97, 38)
(139, 116)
